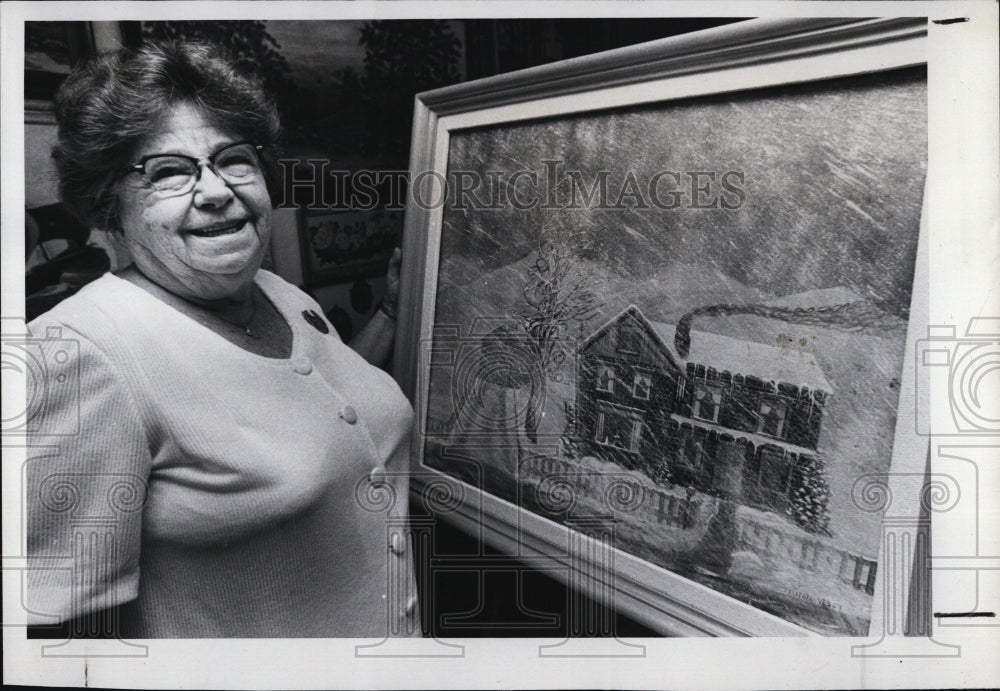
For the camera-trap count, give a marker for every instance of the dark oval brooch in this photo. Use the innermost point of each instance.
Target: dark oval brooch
(316, 321)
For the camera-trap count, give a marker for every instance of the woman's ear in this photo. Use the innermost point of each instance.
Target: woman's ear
(274, 179)
(113, 242)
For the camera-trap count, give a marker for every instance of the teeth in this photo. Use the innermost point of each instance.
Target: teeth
(225, 230)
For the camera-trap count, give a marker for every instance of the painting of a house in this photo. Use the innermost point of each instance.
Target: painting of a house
(711, 381)
(735, 419)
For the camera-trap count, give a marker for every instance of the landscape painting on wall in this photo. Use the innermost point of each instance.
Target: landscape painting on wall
(691, 315)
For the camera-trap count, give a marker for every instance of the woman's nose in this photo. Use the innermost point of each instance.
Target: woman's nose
(211, 190)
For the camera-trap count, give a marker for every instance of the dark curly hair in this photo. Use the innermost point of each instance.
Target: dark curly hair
(109, 104)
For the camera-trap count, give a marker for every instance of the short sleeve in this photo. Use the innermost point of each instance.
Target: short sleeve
(86, 478)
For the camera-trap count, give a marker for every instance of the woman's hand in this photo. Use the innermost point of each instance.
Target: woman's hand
(374, 342)
(390, 302)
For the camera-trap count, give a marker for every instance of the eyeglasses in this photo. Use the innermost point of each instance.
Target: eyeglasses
(177, 174)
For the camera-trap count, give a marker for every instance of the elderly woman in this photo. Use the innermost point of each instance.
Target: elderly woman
(226, 466)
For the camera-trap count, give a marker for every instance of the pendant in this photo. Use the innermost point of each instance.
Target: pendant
(250, 333)
(316, 321)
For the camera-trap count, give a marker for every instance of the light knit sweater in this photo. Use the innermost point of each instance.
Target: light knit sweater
(218, 492)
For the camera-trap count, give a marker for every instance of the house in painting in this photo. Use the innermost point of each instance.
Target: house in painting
(735, 419)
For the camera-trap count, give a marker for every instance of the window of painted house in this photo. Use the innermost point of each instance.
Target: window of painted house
(629, 340)
(606, 378)
(707, 401)
(693, 452)
(618, 429)
(641, 385)
(773, 475)
(771, 418)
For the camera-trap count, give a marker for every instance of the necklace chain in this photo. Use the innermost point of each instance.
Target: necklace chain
(188, 303)
(244, 325)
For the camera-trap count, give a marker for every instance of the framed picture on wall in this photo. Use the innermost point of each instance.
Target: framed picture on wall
(655, 315)
(338, 246)
(51, 50)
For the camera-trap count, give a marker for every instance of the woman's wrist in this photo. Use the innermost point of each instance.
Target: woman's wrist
(388, 308)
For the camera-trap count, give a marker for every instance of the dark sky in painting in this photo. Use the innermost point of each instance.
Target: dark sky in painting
(833, 176)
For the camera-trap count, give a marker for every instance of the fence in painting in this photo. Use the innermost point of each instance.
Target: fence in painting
(560, 482)
(810, 555)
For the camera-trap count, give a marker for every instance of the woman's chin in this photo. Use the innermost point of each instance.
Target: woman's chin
(220, 277)
(233, 264)
(233, 268)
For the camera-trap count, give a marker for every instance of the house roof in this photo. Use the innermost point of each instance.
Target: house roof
(749, 358)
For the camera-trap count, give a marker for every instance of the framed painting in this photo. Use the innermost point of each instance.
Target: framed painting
(341, 245)
(51, 50)
(655, 318)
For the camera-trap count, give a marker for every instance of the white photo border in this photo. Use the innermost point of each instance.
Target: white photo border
(960, 257)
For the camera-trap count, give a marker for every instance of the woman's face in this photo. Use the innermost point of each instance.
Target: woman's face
(209, 242)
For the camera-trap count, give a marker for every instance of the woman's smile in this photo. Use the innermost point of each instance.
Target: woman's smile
(219, 229)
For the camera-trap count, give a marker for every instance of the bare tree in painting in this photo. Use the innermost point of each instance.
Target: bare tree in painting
(558, 297)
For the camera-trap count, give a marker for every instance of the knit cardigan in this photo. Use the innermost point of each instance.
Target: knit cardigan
(209, 491)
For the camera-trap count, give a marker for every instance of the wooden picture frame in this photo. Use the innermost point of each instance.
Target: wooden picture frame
(677, 486)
